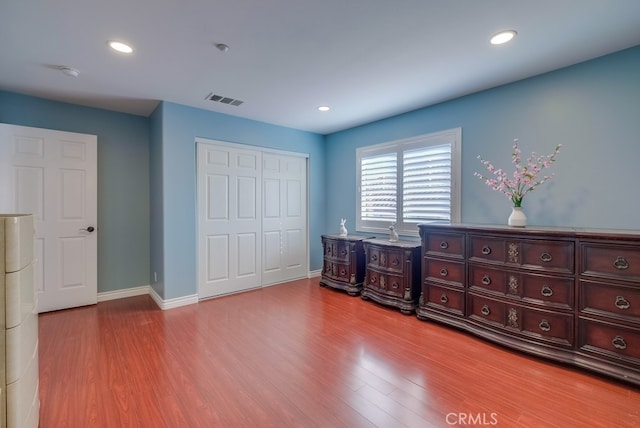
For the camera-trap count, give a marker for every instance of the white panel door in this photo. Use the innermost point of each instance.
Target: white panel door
(284, 218)
(229, 201)
(53, 175)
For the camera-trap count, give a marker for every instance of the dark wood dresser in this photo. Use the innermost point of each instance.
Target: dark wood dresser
(344, 262)
(572, 295)
(392, 273)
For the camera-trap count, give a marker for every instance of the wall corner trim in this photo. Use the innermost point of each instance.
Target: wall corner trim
(172, 303)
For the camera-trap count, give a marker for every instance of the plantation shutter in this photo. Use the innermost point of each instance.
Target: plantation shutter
(408, 182)
(379, 182)
(427, 185)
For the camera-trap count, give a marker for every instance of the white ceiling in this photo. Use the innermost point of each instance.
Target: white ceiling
(367, 59)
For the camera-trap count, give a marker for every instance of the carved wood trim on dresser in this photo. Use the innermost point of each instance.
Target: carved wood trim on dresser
(392, 273)
(343, 263)
(571, 295)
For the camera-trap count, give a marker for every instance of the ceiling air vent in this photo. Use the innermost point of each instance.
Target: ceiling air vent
(223, 100)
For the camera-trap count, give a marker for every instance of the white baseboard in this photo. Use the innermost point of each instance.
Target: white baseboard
(121, 294)
(172, 303)
(314, 273)
(146, 289)
(165, 304)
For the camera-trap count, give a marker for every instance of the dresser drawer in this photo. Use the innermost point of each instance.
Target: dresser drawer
(556, 256)
(611, 300)
(443, 299)
(548, 290)
(534, 323)
(386, 258)
(391, 285)
(610, 339)
(337, 250)
(445, 271)
(337, 271)
(487, 248)
(531, 288)
(448, 244)
(610, 261)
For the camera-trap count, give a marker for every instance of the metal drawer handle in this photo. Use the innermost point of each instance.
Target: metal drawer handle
(544, 325)
(621, 263)
(374, 257)
(444, 272)
(546, 291)
(485, 310)
(622, 303)
(444, 245)
(486, 280)
(546, 257)
(619, 343)
(444, 298)
(486, 250)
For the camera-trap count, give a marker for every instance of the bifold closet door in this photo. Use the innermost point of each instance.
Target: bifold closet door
(229, 223)
(284, 218)
(252, 217)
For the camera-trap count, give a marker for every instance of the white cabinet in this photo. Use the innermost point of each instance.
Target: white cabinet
(19, 402)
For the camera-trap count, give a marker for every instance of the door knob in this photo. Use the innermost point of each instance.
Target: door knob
(89, 229)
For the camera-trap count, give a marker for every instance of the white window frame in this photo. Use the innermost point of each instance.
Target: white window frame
(450, 136)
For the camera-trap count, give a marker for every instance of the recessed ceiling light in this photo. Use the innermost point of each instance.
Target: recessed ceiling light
(120, 47)
(503, 37)
(324, 108)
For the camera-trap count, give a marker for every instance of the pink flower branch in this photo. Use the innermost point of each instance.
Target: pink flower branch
(525, 177)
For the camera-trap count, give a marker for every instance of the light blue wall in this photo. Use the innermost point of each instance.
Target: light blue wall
(123, 180)
(179, 126)
(592, 108)
(146, 166)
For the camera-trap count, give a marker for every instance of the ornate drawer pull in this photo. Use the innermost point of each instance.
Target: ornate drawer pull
(619, 343)
(374, 257)
(622, 303)
(621, 263)
(444, 245)
(544, 325)
(486, 280)
(444, 298)
(395, 262)
(394, 285)
(486, 250)
(546, 257)
(485, 310)
(546, 291)
(343, 252)
(444, 272)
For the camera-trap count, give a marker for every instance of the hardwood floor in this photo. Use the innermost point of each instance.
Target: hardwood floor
(300, 355)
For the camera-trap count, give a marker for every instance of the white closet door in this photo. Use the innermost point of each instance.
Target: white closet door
(284, 218)
(229, 201)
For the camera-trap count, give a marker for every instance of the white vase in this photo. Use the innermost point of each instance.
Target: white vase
(517, 217)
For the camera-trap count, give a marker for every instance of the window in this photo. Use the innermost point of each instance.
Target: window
(408, 182)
